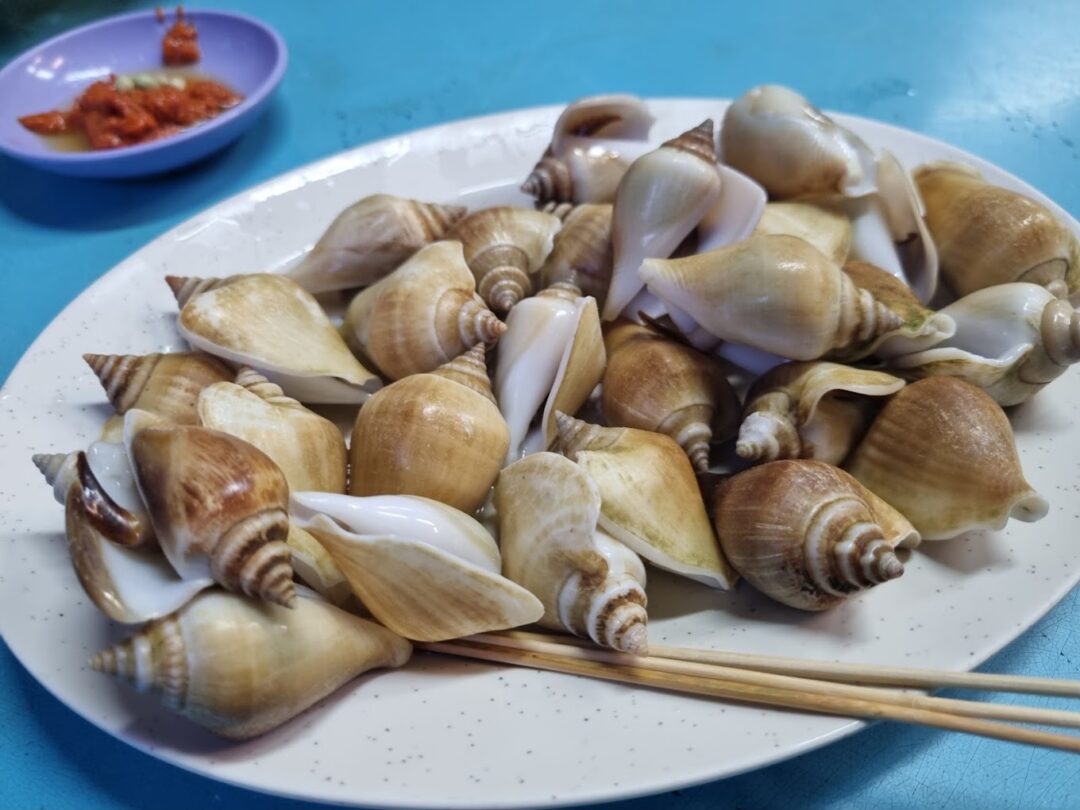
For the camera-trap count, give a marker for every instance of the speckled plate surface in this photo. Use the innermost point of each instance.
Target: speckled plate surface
(443, 733)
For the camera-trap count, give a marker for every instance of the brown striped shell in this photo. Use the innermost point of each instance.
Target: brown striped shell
(165, 384)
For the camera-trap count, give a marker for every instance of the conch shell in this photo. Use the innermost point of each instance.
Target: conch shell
(1011, 340)
(505, 247)
(425, 570)
(308, 448)
(438, 435)
(655, 383)
(553, 352)
(369, 239)
(422, 315)
(589, 583)
(218, 505)
(585, 160)
(165, 384)
(582, 254)
(241, 668)
(775, 293)
(781, 140)
(990, 235)
(942, 452)
(808, 534)
(806, 410)
(270, 323)
(824, 226)
(663, 196)
(650, 499)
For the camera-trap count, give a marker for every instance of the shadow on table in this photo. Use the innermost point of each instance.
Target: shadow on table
(78, 204)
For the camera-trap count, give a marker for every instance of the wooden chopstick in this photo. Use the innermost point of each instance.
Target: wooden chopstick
(554, 645)
(753, 687)
(866, 674)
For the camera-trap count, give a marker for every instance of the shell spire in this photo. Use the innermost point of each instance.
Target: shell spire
(184, 288)
(476, 323)
(575, 435)
(123, 376)
(699, 141)
(1060, 328)
(257, 384)
(59, 472)
(165, 384)
(767, 435)
(550, 180)
(470, 370)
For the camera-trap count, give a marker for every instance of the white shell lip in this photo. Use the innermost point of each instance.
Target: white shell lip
(406, 516)
(735, 215)
(147, 587)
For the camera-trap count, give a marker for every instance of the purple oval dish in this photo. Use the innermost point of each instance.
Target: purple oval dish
(239, 51)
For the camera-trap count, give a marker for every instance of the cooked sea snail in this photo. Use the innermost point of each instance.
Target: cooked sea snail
(823, 225)
(270, 323)
(241, 668)
(808, 534)
(942, 452)
(422, 315)
(427, 571)
(589, 583)
(369, 239)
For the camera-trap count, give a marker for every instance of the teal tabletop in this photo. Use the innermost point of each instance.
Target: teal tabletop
(1000, 79)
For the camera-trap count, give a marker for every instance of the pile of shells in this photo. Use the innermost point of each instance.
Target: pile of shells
(543, 395)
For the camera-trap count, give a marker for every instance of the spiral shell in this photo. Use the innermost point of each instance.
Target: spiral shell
(369, 239)
(582, 254)
(165, 384)
(806, 410)
(781, 140)
(942, 452)
(437, 435)
(824, 226)
(989, 235)
(308, 448)
(422, 315)
(504, 248)
(662, 198)
(654, 383)
(775, 293)
(241, 668)
(424, 569)
(218, 506)
(650, 499)
(270, 323)
(590, 584)
(805, 533)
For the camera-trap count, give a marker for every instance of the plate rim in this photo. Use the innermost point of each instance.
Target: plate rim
(372, 150)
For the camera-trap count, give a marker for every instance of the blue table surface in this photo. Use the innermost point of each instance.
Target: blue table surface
(1001, 79)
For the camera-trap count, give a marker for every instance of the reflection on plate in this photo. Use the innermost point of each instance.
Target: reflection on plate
(447, 733)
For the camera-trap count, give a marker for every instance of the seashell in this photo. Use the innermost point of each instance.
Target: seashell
(316, 568)
(919, 326)
(408, 438)
(422, 315)
(1011, 340)
(589, 583)
(989, 235)
(425, 570)
(106, 488)
(942, 452)
(805, 533)
(552, 352)
(789, 146)
(582, 254)
(654, 383)
(369, 239)
(241, 668)
(504, 248)
(165, 384)
(775, 293)
(558, 209)
(732, 218)
(824, 226)
(650, 499)
(308, 448)
(218, 506)
(663, 196)
(807, 410)
(584, 161)
(270, 323)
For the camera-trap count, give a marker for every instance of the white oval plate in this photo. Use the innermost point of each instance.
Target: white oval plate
(444, 733)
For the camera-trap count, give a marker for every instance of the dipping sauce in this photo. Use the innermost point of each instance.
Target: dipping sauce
(127, 110)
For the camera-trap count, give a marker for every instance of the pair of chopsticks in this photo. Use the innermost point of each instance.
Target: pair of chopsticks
(849, 690)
